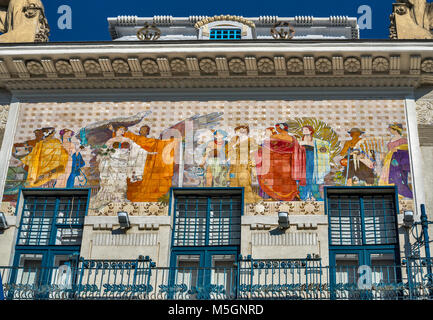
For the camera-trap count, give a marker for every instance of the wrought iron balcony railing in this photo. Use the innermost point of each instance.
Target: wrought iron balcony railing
(248, 279)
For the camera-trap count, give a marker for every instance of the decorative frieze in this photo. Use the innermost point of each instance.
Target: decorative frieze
(132, 208)
(271, 208)
(267, 208)
(219, 66)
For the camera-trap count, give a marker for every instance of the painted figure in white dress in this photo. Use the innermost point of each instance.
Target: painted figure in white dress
(122, 159)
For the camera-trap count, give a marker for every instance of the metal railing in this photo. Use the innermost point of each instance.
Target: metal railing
(247, 279)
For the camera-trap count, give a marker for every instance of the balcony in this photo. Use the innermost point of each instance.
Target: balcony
(303, 279)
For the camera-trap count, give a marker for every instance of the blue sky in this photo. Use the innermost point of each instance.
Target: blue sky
(89, 17)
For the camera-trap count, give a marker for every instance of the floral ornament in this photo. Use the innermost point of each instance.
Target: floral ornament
(92, 66)
(295, 65)
(149, 66)
(352, 65)
(380, 64)
(310, 207)
(427, 65)
(207, 65)
(120, 66)
(323, 65)
(265, 65)
(35, 68)
(63, 67)
(237, 65)
(178, 65)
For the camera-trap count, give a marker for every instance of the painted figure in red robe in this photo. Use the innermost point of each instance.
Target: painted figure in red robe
(281, 165)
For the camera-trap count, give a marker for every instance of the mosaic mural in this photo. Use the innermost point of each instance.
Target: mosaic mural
(278, 150)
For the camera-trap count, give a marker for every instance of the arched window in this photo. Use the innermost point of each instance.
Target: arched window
(225, 28)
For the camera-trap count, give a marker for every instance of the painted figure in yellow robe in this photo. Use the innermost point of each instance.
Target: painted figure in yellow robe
(158, 171)
(47, 161)
(242, 168)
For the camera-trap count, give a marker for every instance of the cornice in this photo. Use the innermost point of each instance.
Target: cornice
(209, 65)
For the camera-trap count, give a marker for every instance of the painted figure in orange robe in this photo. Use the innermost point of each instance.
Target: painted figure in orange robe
(158, 170)
(281, 165)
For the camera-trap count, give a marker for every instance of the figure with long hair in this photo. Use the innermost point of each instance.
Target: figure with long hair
(75, 163)
(317, 163)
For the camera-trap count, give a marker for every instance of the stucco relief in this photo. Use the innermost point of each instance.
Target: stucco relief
(267, 208)
(4, 111)
(424, 109)
(132, 208)
(23, 21)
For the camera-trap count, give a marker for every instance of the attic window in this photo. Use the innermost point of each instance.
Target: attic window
(225, 34)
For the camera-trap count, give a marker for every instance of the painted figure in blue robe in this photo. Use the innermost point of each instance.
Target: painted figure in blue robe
(75, 163)
(317, 164)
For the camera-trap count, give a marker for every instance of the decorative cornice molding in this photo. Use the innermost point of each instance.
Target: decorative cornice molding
(211, 69)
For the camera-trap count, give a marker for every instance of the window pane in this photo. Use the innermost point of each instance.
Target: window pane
(52, 220)
(346, 224)
(201, 221)
(225, 34)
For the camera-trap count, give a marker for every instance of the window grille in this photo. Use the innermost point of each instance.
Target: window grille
(225, 34)
(207, 221)
(52, 220)
(362, 219)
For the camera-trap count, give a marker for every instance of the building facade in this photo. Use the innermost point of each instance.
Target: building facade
(216, 157)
